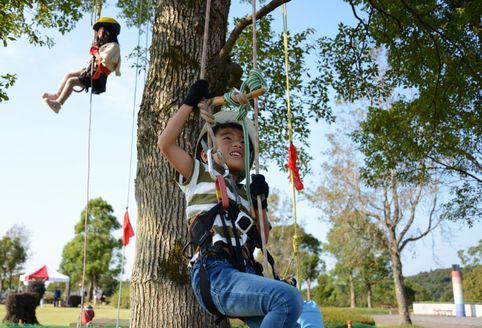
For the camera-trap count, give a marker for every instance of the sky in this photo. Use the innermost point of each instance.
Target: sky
(44, 156)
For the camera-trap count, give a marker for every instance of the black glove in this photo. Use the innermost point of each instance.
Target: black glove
(197, 91)
(259, 187)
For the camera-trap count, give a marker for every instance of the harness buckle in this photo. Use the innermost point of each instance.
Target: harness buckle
(244, 223)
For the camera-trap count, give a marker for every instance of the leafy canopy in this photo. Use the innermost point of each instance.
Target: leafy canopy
(423, 57)
(102, 248)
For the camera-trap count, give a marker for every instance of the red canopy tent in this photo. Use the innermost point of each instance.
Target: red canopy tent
(46, 274)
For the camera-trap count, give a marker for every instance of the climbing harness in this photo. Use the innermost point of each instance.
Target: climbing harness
(200, 246)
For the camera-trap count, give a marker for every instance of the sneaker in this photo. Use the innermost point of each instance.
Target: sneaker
(54, 105)
(49, 96)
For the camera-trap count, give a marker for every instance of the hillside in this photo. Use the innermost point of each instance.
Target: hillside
(435, 285)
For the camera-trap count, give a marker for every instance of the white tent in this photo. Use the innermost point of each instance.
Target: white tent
(45, 273)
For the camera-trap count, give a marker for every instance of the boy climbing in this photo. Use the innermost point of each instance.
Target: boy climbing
(106, 58)
(226, 279)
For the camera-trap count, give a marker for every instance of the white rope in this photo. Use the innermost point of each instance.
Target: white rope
(204, 53)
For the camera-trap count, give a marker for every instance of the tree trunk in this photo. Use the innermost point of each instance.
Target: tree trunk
(308, 290)
(161, 294)
(399, 283)
(352, 291)
(369, 296)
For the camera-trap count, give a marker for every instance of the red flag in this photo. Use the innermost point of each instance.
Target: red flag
(127, 230)
(294, 168)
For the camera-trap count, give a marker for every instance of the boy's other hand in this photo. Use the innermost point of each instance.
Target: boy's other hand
(197, 91)
(259, 187)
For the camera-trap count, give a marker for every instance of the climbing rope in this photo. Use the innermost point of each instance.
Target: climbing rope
(204, 59)
(296, 238)
(261, 218)
(96, 10)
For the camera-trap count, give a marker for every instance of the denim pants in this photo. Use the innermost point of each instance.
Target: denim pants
(259, 301)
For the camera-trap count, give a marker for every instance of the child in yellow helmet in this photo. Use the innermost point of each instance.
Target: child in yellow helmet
(106, 58)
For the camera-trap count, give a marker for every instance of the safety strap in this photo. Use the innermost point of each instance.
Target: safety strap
(100, 69)
(205, 288)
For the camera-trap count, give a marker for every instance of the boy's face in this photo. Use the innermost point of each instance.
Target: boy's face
(230, 142)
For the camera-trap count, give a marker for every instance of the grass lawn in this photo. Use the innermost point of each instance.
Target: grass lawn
(51, 316)
(48, 316)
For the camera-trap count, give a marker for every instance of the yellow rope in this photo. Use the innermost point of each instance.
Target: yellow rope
(99, 8)
(296, 239)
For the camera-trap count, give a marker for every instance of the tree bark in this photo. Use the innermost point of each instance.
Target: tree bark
(399, 281)
(369, 296)
(161, 294)
(308, 290)
(352, 291)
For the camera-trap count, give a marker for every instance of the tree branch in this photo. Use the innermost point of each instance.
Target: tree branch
(456, 169)
(384, 13)
(353, 9)
(243, 23)
(412, 216)
(429, 227)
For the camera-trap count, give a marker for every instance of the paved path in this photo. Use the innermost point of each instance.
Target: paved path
(430, 321)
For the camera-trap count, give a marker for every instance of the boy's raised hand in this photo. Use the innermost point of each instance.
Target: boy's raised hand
(259, 187)
(197, 91)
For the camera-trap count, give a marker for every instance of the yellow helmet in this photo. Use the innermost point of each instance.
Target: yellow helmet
(107, 21)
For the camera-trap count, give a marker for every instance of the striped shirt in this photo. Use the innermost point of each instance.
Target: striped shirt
(200, 191)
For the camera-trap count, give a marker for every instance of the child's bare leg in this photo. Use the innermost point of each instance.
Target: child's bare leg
(67, 77)
(56, 104)
(68, 88)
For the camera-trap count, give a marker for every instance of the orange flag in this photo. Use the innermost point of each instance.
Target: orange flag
(128, 232)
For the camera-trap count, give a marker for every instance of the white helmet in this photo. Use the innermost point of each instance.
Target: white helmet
(224, 118)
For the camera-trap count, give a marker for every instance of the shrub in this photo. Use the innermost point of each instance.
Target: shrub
(342, 315)
(74, 300)
(125, 302)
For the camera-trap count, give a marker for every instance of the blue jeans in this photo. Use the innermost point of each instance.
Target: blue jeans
(259, 301)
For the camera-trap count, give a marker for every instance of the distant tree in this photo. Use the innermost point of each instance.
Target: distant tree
(471, 259)
(360, 251)
(102, 262)
(434, 286)
(392, 205)
(309, 263)
(471, 256)
(328, 292)
(384, 293)
(374, 267)
(14, 247)
(342, 243)
(418, 292)
(20, 232)
(472, 282)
